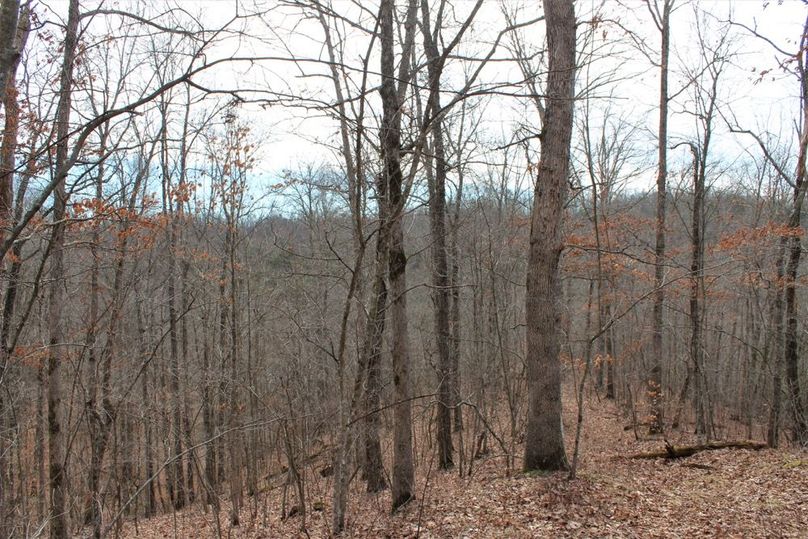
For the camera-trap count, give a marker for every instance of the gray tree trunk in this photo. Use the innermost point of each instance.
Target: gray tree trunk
(9, 53)
(655, 394)
(403, 470)
(437, 220)
(544, 439)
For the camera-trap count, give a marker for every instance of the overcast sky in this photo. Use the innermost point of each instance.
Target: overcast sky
(291, 136)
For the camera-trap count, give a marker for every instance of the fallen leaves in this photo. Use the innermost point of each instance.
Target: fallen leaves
(722, 493)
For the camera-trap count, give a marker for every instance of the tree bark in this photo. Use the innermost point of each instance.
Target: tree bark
(7, 153)
(774, 348)
(696, 289)
(437, 220)
(655, 392)
(544, 439)
(794, 243)
(176, 483)
(9, 53)
(403, 471)
(59, 528)
(374, 336)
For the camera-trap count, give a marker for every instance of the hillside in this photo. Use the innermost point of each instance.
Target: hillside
(725, 493)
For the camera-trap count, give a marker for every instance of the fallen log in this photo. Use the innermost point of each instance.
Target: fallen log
(683, 451)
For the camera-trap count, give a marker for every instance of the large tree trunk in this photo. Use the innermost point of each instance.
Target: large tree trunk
(12, 113)
(791, 342)
(403, 471)
(59, 528)
(7, 153)
(774, 348)
(544, 440)
(9, 53)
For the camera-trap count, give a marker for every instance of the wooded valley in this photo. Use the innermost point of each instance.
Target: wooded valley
(405, 268)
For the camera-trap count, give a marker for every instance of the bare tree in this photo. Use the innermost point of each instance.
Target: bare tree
(783, 307)
(437, 217)
(8, 149)
(392, 99)
(661, 16)
(59, 528)
(544, 440)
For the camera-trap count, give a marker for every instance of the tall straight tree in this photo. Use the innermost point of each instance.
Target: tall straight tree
(662, 22)
(794, 240)
(390, 134)
(544, 439)
(437, 221)
(715, 58)
(8, 146)
(56, 430)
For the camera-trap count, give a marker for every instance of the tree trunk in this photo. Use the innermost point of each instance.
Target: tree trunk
(9, 53)
(99, 408)
(455, 324)
(544, 440)
(208, 419)
(235, 438)
(774, 348)
(437, 221)
(403, 472)
(794, 242)
(696, 289)
(655, 393)
(7, 158)
(148, 450)
(374, 335)
(176, 471)
(59, 528)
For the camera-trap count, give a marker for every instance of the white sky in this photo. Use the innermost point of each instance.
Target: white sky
(291, 136)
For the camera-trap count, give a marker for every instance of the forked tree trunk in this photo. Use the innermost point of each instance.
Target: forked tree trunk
(544, 440)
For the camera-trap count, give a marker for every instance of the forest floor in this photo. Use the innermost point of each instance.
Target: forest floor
(725, 493)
